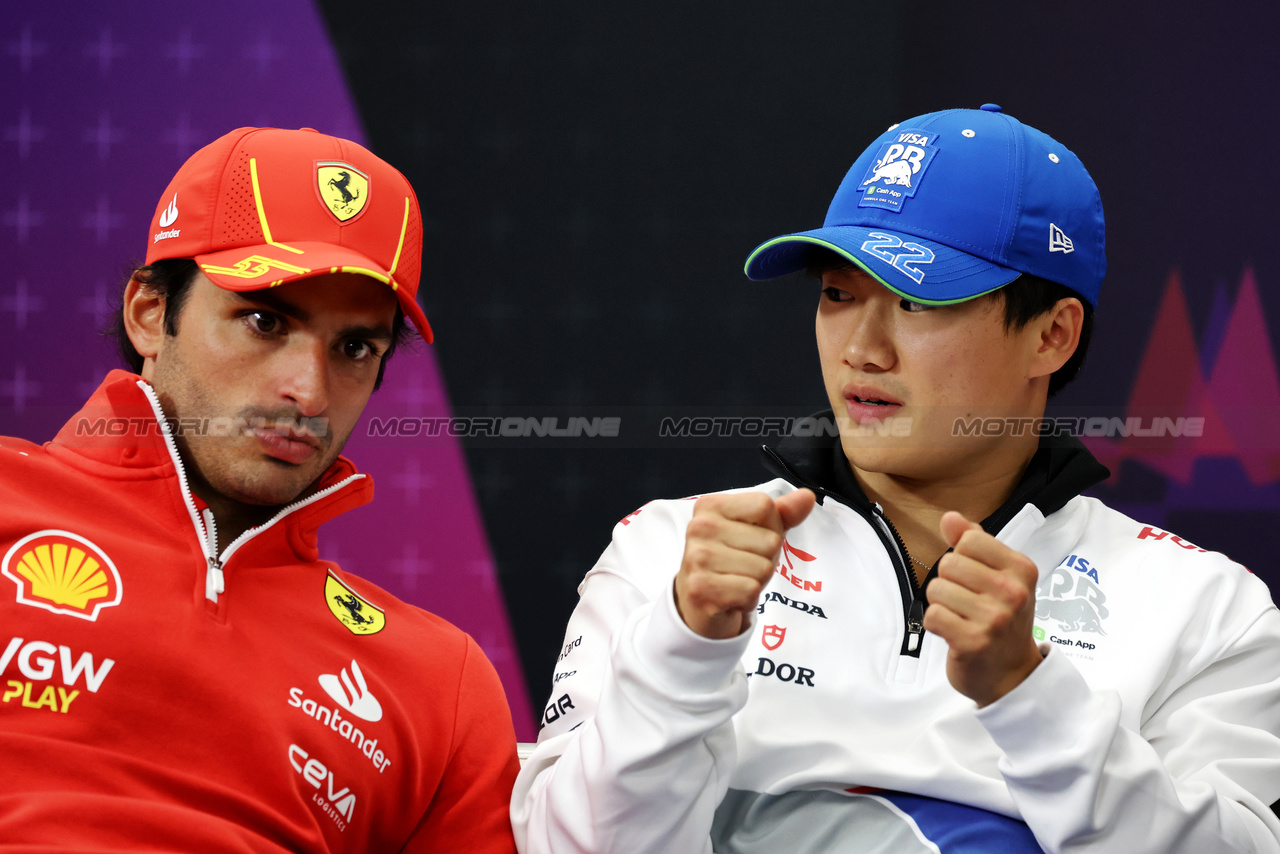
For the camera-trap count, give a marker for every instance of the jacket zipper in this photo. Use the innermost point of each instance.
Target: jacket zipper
(285, 511)
(912, 604)
(214, 581)
(206, 528)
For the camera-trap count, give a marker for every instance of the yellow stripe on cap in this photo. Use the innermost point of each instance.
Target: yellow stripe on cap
(404, 229)
(262, 212)
(373, 274)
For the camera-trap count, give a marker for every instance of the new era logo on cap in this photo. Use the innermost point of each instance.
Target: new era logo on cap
(1058, 240)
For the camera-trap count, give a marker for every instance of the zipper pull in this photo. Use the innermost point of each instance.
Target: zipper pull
(915, 625)
(213, 580)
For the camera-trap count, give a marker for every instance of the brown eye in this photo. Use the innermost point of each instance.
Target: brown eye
(263, 322)
(357, 350)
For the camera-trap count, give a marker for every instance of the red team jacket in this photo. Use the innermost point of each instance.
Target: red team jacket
(303, 710)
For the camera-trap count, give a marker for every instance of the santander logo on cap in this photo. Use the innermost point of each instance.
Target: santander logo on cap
(168, 217)
(170, 213)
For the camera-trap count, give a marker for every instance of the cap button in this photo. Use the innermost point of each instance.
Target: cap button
(991, 108)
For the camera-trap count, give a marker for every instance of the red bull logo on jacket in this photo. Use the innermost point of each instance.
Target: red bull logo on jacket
(1070, 598)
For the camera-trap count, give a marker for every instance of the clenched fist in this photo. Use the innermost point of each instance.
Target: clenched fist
(983, 604)
(731, 547)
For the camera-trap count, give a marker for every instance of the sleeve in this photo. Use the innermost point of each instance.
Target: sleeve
(1202, 775)
(637, 741)
(469, 810)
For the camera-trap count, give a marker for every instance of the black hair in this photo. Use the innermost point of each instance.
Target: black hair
(1025, 298)
(171, 278)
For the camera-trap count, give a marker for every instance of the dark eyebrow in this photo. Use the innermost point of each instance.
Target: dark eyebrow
(273, 301)
(381, 332)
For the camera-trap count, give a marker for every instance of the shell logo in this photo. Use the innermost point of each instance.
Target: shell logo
(64, 573)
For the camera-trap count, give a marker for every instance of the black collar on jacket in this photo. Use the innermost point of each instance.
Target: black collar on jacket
(1060, 470)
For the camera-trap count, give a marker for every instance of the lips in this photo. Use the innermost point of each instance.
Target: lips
(867, 403)
(295, 448)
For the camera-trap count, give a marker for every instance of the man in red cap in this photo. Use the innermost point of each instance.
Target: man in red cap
(179, 670)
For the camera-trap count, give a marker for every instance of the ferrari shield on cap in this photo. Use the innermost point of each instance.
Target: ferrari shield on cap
(950, 205)
(259, 207)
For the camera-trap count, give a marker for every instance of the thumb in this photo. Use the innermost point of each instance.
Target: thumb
(954, 525)
(794, 507)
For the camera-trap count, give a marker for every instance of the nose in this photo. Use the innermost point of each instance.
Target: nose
(305, 382)
(868, 345)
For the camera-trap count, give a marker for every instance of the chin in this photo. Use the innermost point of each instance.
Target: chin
(272, 491)
(878, 458)
(897, 460)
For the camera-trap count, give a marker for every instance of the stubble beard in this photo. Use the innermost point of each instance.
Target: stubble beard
(231, 471)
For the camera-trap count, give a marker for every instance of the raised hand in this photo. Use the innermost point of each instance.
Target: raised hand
(983, 604)
(731, 548)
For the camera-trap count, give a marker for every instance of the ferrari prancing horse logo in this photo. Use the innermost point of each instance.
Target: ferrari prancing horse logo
(359, 615)
(343, 188)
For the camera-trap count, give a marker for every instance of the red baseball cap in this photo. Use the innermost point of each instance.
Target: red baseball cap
(263, 206)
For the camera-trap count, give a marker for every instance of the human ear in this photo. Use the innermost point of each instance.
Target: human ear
(1056, 336)
(144, 320)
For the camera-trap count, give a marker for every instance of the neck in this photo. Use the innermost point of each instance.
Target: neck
(916, 506)
(232, 517)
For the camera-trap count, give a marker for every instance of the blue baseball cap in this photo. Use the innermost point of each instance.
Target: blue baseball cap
(951, 205)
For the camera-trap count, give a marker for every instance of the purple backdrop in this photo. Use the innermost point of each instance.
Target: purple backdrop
(103, 107)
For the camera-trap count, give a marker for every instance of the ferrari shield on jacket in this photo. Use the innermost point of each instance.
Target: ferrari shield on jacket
(162, 691)
(1151, 725)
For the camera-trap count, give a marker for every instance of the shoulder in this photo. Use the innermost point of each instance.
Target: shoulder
(39, 490)
(17, 455)
(12, 444)
(1165, 565)
(647, 544)
(1141, 540)
(678, 511)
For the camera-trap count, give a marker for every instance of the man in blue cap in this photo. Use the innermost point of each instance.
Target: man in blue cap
(952, 650)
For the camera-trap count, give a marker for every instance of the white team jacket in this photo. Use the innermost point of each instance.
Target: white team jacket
(1152, 725)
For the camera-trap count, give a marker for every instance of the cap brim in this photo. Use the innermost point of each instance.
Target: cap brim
(250, 268)
(921, 270)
